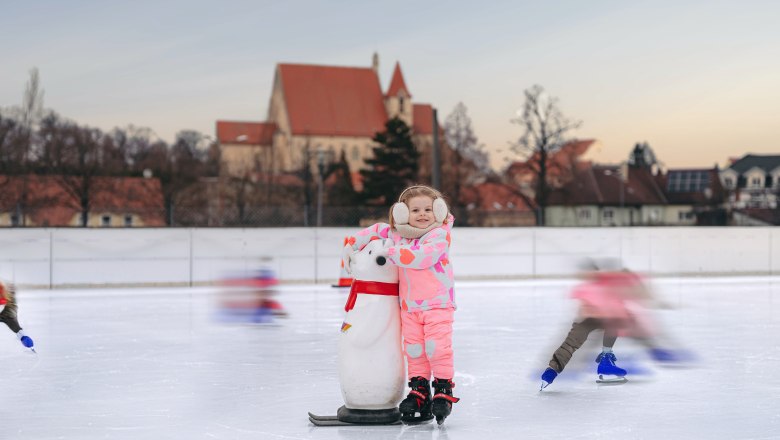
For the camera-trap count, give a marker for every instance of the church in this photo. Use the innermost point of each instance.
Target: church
(316, 113)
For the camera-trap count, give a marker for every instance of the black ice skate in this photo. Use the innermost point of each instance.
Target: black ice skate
(441, 406)
(417, 402)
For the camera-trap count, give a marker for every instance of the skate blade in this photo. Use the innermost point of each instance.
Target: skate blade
(334, 421)
(416, 420)
(611, 380)
(322, 418)
(544, 385)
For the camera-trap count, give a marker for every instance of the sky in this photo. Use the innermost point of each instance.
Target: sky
(697, 80)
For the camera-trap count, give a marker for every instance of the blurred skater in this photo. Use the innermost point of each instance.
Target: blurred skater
(8, 315)
(614, 300)
(250, 298)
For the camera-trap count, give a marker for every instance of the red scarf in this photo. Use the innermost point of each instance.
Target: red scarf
(371, 288)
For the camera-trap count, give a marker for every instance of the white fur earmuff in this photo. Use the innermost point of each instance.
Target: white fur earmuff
(439, 210)
(401, 218)
(400, 213)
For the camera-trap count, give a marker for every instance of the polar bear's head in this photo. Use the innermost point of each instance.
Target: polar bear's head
(371, 264)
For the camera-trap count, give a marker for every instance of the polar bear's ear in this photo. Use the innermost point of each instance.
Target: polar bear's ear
(439, 210)
(400, 213)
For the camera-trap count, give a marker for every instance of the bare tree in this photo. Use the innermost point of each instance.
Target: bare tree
(181, 170)
(469, 155)
(20, 142)
(546, 130)
(80, 165)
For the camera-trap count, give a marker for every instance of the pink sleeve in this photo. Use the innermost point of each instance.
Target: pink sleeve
(373, 232)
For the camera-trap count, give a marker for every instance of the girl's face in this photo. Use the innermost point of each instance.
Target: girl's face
(421, 211)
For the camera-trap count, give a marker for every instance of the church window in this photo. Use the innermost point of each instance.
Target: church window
(400, 104)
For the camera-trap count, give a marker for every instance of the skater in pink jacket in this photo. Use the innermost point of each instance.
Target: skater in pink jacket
(615, 300)
(418, 242)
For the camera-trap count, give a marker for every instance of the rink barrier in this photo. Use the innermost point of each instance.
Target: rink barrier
(70, 257)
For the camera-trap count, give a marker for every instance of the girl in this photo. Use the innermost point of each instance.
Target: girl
(419, 243)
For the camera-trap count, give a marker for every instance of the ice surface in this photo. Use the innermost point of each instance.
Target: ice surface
(153, 364)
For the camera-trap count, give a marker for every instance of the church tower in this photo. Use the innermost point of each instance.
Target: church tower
(398, 100)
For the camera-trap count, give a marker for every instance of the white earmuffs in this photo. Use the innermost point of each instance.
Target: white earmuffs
(401, 218)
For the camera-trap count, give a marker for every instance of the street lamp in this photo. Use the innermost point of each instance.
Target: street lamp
(619, 176)
(321, 169)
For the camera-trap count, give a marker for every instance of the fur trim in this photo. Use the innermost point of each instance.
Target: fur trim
(409, 231)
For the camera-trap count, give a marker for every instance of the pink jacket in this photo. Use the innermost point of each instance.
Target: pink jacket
(425, 272)
(608, 295)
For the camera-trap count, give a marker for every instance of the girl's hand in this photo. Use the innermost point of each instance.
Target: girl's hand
(346, 257)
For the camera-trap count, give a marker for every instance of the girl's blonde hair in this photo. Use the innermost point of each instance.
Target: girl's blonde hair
(415, 191)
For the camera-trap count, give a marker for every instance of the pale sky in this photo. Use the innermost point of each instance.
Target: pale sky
(698, 80)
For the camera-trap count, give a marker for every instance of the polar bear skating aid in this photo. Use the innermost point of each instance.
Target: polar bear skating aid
(371, 364)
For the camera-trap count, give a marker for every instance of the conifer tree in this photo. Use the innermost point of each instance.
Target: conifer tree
(393, 167)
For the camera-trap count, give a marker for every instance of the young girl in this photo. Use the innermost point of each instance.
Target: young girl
(419, 243)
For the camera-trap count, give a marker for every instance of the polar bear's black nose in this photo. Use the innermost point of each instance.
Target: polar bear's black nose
(381, 260)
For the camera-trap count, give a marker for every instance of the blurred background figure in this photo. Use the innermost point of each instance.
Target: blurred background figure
(8, 313)
(617, 301)
(249, 296)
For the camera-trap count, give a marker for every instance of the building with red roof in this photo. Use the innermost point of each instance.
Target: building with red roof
(319, 111)
(49, 201)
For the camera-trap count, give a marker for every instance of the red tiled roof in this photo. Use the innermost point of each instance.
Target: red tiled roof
(50, 203)
(493, 196)
(397, 83)
(332, 101)
(248, 133)
(603, 185)
(127, 193)
(422, 122)
(559, 163)
(770, 216)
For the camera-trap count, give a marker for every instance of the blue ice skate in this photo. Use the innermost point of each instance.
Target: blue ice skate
(25, 340)
(672, 358)
(607, 371)
(548, 377)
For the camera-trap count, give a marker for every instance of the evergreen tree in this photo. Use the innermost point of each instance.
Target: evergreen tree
(341, 192)
(393, 167)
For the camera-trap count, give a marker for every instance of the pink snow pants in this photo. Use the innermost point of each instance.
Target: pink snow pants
(428, 343)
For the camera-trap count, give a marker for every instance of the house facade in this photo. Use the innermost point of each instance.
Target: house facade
(608, 195)
(696, 197)
(752, 182)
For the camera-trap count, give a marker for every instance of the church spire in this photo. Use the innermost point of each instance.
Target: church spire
(397, 83)
(398, 100)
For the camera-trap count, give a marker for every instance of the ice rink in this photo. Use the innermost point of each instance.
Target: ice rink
(153, 363)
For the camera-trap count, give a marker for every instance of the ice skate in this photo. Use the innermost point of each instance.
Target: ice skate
(672, 358)
(548, 377)
(607, 371)
(417, 405)
(441, 406)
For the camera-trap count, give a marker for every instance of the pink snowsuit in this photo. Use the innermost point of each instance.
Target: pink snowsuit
(426, 295)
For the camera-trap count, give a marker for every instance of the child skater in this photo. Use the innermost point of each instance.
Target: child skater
(418, 242)
(614, 301)
(8, 313)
